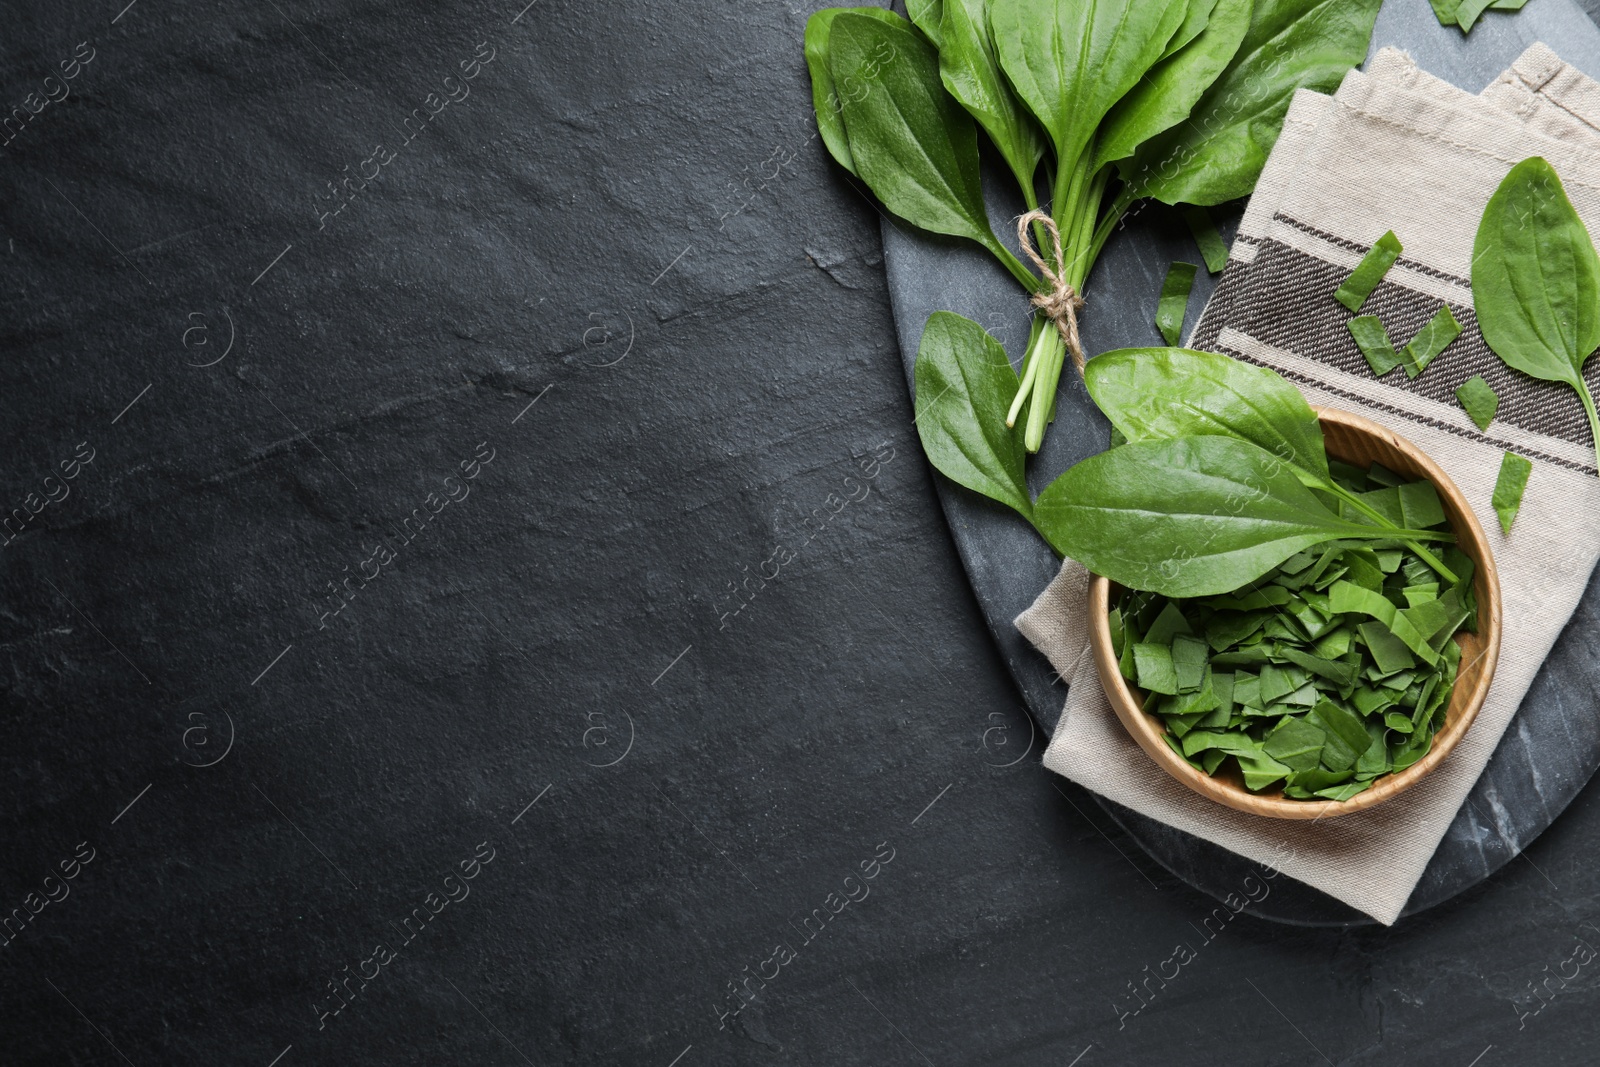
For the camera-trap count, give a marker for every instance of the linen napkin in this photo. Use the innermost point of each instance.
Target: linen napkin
(1394, 148)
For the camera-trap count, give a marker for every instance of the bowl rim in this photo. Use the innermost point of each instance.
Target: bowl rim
(1148, 730)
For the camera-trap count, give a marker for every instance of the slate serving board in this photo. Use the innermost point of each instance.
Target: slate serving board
(1552, 745)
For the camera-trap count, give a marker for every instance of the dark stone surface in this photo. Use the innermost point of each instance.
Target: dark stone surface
(1551, 748)
(268, 799)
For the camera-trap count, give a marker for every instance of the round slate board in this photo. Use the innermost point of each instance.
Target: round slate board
(1552, 746)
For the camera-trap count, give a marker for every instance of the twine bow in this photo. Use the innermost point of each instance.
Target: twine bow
(1062, 303)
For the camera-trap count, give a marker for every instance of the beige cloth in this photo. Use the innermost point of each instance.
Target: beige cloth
(1328, 191)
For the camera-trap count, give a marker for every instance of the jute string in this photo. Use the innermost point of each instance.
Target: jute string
(1061, 304)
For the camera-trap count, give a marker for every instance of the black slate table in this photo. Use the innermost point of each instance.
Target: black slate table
(472, 595)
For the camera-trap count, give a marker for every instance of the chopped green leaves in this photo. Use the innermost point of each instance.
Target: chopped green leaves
(1373, 340)
(1369, 272)
(1304, 678)
(1174, 302)
(1212, 248)
(1508, 487)
(1536, 281)
(1434, 337)
(1479, 400)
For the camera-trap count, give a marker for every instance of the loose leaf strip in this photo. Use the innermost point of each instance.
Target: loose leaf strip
(1174, 303)
(1508, 487)
(1373, 340)
(1434, 337)
(1445, 11)
(1212, 248)
(1369, 272)
(1536, 281)
(1155, 393)
(1479, 400)
(1217, 154)
(964, 382)
(1468, 13)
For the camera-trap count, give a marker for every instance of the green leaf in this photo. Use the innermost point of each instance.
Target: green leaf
(1154, 669)
(1170, 89)
(964, 382)
(1536, 280)
(971, 72)
(1434, 337)
(1469, 11)
(1189, 661)
(1186, 516)
(1261, 771)
(1167, 625)
(1349, 598)
(1355, 289)
(1445, 11)
(1231, 742)
(1217, 153)
(1479, 400)
(1343, 792)
(1420, 507)
(1072, 60)
(1508, 487)
(1337, 672)
(1373, 340)
(1154, 393)
(1296, 744)
(1174, 303)
(825, 102)
(1388, 651)
(1212, 248)
(928, 15)
(1195, 19)
(910, 142)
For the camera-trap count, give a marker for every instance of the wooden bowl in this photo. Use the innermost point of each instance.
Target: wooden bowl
(1359, 442)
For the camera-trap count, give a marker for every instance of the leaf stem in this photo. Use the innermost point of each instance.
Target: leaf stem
(1125, 199)
(1030, 281)
(1594, 421)
(1051, 351)
(1030, 377)
(1383, 522)
(1081, 241)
